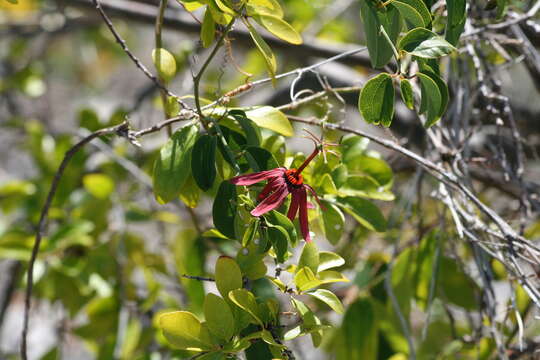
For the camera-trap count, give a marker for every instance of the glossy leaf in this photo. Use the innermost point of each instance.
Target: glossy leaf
(420, 7)
(264, 49)
(410, 14)
(443, 89)
(224, 209)
(228, 275)
(279, 28)
(309, 257)
(271, 118)
(279, 238)
(334, 223)
(267, 7)
(278, 219)
(329, 260)
(203, 161)
(165, 63)
(376, 101)
(329, 298)
(173, 165)
(305, 279)
(219, 318)
(365, 212)
(432, 101)
(380, 51)
(424, 44)
(208, 29)
(184, 331)
(246, 301)
(407, 93)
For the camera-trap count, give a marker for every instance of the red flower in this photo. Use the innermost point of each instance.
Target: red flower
(282, 182)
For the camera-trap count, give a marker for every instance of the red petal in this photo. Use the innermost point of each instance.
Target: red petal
(304, 228)
(271, 202)
(293, 208)
(251, 179)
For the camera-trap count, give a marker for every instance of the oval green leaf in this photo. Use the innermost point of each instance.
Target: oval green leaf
(173, 165)
(264, 49)
(425, 44)
(457, 15)
(224, 209)
(228, 275)
(246, 301)
(376, 101)
(334, 223)
(165, 63)
(271, 118)
(309, 257)
(219, 318)
(208, 29)
(329, 260)
(431, 102)
(203, 161)
(184, 331)
(329, 298)
(410, 14)
(407, 93)
(279, 28)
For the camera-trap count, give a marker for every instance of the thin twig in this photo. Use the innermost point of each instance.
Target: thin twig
(132, 56)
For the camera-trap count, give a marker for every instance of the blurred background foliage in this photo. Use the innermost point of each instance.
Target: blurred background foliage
(113, 258)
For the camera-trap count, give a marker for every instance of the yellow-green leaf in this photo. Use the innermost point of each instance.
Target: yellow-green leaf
(271, 118)
(165, 63)
(184, 331)
(305, 279)
(329, 298)
(279, 28)
(267, 7)
(208, 29)
(266, 52)
(309, 257)
(219, 318)
(228, 276)
(246, 301)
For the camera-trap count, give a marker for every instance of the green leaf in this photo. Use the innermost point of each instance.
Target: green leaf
(334, 223)
(208, 29)
(365, 212)
(443, 89)
(407, 93)
(279, 238)
(219, 318)
(203, 161)
(267, 7)
(331, 276)
(329, 298)
(380, 51)
(309, 257)
(431, 99)
(304, 279)
(250, 232)
(246, 301)
(250, 129)
(279, 28)
(264, 49)
(224, 209)
(425, 44)
(457, 15)
(190, 193)
(260, 159)
(278, 219)
(271, 118)
(456, 286)
(419, 7)
(410, 14)
(276, 145)
(99, 185)
(376, 101)
(310, 323)
(228, 275)
(329, 260)
(165, 63)
(173, 166)
(184, 331)
(365, 186)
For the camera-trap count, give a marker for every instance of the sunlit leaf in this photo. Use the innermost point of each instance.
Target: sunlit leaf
(165, 63)
(329, 298)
